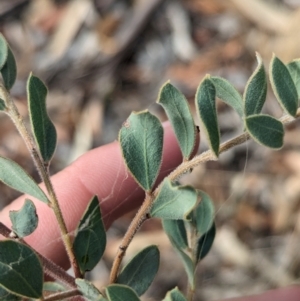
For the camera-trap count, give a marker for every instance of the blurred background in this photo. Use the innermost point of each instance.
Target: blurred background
(103, 59)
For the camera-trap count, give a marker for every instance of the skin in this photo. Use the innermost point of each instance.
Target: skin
(102, 172)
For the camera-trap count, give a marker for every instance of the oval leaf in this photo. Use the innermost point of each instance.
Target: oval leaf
(205, 242)
(25, 220)
(43, 128)
(179, 114)
(90, 240)
(21, 272)
(9, 70)
(3, 51)
(174, 295)
(88, 290)
(294, 69)
(14, 176)
(189, 267)
(256, 90)
(283, 86)
(141, 270)
(118, 292)
(203, 215)
(206, 107)
(226, 92)
(141, 139)
(176, 232)
(266, 130)
(173, 202)
(177, 239)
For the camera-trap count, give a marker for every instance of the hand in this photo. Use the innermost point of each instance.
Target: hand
(102, 172)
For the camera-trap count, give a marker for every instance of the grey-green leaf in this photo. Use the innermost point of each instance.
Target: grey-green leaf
(179, 114)
(203, 215)
(141, 270)
(25, 220)
(14, 176)
(283, 86)
(21, 272)
(294, 69)
(227, 92)
(141, 139)
(88, 290)
(176, 231)
(173, 201)
(42, 126)
(119, 292)
(6, 296)
(189, 267)
(90, 240)
(205, 242)
(177, 238)
(256, 89)
(174, 295)
(266, 130)
(206, 108)
(3, 51)
(9, 70)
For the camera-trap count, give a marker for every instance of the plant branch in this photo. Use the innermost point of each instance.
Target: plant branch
(63, 295)
(56, 272)
(14, 114)
(5, 231)
(204, 157)
(50, 268)
(193, 253)
(190, 293)
(136, 223)
(209, 155)
(182, 169)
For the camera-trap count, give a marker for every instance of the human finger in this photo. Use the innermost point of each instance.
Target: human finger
(100, 172)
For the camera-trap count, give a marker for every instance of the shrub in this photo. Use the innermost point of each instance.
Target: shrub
(187, 214)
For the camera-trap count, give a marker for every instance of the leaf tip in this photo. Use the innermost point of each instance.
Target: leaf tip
(258, 57)
(207, 76)
(168, 82)
(273, 58)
